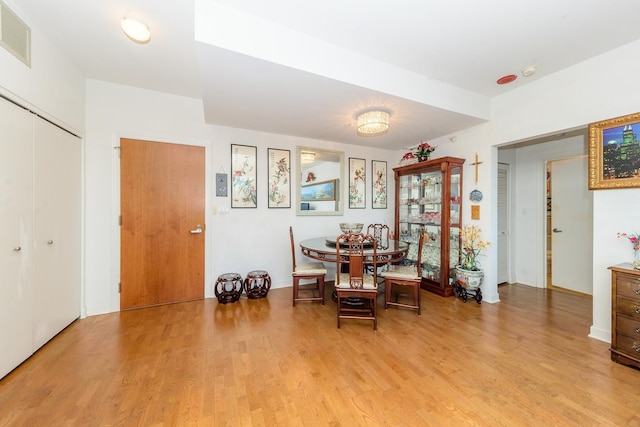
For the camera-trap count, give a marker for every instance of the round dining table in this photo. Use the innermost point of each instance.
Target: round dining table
(324, 249)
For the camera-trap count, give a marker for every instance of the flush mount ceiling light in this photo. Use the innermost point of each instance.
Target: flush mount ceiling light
(135, 30)
(373, 123)
(307, 157)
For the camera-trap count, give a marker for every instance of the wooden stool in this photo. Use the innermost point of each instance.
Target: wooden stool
(228, 287)
(257, 284)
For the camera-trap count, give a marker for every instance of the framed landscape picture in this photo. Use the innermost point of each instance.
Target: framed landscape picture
(357, 183)
(279, 167)
(614, 153)
(244, 193)
(324, 191)
(378, 184)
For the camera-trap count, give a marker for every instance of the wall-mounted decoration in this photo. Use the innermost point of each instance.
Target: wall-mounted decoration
(279, 167)
(319, 191)
(614, 153)
(244, 192)
(379, 184)
(357, 183)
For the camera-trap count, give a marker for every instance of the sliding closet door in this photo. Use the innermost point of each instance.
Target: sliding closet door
(16, 230)
(57, 204)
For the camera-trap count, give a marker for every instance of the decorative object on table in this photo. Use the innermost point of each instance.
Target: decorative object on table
(613, 156)
(408, 159)
(405, 276)
(228, 288)
(379, 184)
(351, 227)
(279, 178)
(356, 285)
(257, 284)
(306, 271)
(468, 274)
(357, 183)
(634, 239)
(244, 192)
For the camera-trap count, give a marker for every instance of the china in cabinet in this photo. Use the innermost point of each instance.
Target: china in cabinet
(428, 198)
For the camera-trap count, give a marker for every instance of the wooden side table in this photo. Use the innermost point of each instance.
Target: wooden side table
(625, 315)
(257, 284)
(228, 287)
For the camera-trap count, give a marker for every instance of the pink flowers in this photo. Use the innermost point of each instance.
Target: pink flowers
(633, 238)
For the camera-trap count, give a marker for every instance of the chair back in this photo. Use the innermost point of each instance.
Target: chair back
(381, 234)
(350, 248)
(293, 249)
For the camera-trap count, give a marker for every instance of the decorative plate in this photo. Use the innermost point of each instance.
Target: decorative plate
(475, 196)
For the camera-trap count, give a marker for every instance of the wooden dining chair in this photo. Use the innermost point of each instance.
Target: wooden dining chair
(306, 271)
(404, 276)
(381, 233)
(356, 290)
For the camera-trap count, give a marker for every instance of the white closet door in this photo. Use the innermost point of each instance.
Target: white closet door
(57, 201)
(16, 229)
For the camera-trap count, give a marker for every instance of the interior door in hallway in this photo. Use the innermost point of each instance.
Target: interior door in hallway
(571, 222)
(163, 221)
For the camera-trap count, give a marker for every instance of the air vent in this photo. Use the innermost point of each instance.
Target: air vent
(15, 35)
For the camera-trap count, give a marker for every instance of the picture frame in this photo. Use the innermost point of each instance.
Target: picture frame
(279, 170)
(244, 192)
(614, 153)
(378, 184)
(357, 183)
(324, 191)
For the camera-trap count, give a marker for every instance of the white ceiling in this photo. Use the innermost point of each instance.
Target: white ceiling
(306, 68)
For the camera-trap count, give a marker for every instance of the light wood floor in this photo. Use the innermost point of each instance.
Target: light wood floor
(526, 361)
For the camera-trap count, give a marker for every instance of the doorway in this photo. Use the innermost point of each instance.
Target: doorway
(162, 228)
(569, 225)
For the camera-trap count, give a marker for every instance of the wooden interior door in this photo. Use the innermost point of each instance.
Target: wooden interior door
(163, 223)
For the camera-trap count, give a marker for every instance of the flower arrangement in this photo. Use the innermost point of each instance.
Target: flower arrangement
(423, 151)
(634, 238)
(472, 246)
(311, 177)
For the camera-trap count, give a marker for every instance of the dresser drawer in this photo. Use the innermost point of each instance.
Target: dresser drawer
(628, 307)
(629, 346)
(628, 286)
(628, 327)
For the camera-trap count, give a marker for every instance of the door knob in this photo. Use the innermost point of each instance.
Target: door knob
(555, 230)
(198, 230)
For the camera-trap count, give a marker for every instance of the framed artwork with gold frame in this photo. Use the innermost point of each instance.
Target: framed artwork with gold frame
(614, 153)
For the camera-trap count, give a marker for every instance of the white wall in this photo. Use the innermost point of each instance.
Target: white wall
(52, 87)
(243, 239)
(600, 88)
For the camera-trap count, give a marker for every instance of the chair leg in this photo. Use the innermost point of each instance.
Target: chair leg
(321, 288)
(416, 297)
(387, 292)
(296, 283)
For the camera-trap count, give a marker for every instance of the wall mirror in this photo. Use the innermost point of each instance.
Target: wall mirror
(319, 182)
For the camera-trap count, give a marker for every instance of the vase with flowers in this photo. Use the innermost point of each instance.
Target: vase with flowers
(423, 151)
(468, 273)
(634, 239)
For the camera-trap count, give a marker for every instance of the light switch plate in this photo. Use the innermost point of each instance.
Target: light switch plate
(221, 185)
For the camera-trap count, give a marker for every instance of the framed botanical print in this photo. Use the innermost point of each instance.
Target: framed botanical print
(357, 183)
(279, 167)
(378, 184)
(244, 192)
(614, 153)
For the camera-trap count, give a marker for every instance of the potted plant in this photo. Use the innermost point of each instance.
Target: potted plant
(468, 273)
(634, 239)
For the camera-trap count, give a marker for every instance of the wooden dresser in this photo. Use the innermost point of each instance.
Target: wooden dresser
(625, 315)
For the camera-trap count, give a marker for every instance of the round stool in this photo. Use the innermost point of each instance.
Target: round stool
(228, 287)
(257, 284)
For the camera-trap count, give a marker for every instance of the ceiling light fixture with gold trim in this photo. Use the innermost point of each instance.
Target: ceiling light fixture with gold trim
(373, 123)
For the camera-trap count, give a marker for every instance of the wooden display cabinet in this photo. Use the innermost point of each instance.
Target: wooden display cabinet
(429, 197)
